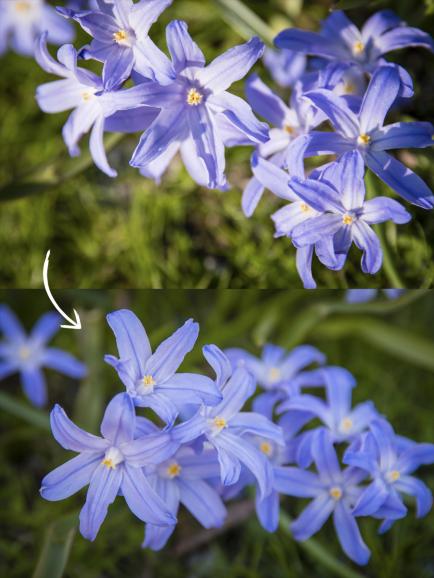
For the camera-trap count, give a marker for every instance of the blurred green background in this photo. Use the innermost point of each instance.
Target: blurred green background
(387, 345)
(130, 233)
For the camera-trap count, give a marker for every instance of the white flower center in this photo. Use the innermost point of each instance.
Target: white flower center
(113, 457)
(217, 425)
(194, 97)
(393, 476)
(336, 493)
(146, 385)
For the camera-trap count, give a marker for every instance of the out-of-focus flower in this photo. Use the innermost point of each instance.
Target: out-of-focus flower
(22, 21)
(28, 354)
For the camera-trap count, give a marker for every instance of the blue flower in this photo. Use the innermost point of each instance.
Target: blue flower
(285, 66)
(84, 92)
(390, 465)
(150, 378)
(339, 194)
(22, 21)
(109, 464)
(278, 372)
(365, 295)
(28, 354)
(340, 40)
(288, 123)
(365, 132)
(224, 426)
(120, 31)
(184, 479)
(343, 422)
(198, 116)
(333, 492)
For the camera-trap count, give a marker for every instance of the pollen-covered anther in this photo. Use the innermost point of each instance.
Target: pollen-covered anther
(24, 353)
(121, 36)
(266, 448)
(335, 493)
(358, 47)
(22, 6)
(347, 220)
(363, 139)
(219, 423)
(393, 476)
(173, 470)
(146, 385)
(346, 424)
(113, 457)
(304, 208)
(194, 97)
(289, 129)
(274, 374)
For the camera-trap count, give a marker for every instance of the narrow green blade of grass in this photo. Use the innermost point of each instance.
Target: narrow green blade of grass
(244, 20)
(57, 545)
(20, 409)
(396, 341)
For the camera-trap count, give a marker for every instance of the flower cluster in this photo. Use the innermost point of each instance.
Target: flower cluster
(327, 210)
(208, 450)
(28, 354)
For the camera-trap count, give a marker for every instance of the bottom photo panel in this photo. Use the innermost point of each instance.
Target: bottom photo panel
(156, 434)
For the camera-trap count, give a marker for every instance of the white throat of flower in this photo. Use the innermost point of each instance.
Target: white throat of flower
(146, 385)
(113, 457)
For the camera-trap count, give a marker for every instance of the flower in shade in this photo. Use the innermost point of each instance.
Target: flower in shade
(183, 479)
(366, 133)
(339, 194)
(150, 378)
(278, 372)
(390, 465)
(333, 492)
(224, 426)
(120, 39)
(288, 123)
(340, 40)
(28, 354)
(83, 91)
(343, 422)
(109, 464)
(198, 114)
(285, 66)
(22, 21)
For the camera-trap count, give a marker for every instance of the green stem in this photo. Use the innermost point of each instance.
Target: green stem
(319, 553)
(33, 416)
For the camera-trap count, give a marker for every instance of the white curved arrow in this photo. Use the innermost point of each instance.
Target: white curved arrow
(74, 324)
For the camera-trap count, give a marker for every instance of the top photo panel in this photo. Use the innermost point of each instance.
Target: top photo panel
(217, 143)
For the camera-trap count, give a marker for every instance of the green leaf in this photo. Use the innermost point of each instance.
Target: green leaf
(24, 411)
(56, 548)
(396, 341)
(244, 20)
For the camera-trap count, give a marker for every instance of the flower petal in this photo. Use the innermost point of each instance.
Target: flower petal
(336, 110)
(349, 535)
(184, 51)
(379, 97)
(368, 242)
(267, 510)
(203, 502)
(313, 517)
(71, 437)
(34, 386)
(10, 325)
(119, 421)
(296, 482)
(70, 477)
(63, 362)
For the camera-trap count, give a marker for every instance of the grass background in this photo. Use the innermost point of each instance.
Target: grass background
(130, 233)
(387, 345)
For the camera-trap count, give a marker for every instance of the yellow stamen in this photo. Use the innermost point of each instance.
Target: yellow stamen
(346, 424)
(335, 493)
(393, 476)
(304, 208)
(274, 374)
(349, 88)
(358, 47)
(24, 353)
(266, 448)
(22, 6)
(363, 139)
(194, 98)
(121, 36)
(220, 422)
(108, 463)
(173, 470)
(148, 380)
(86, 96)
(289, 129)
(347, 220)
